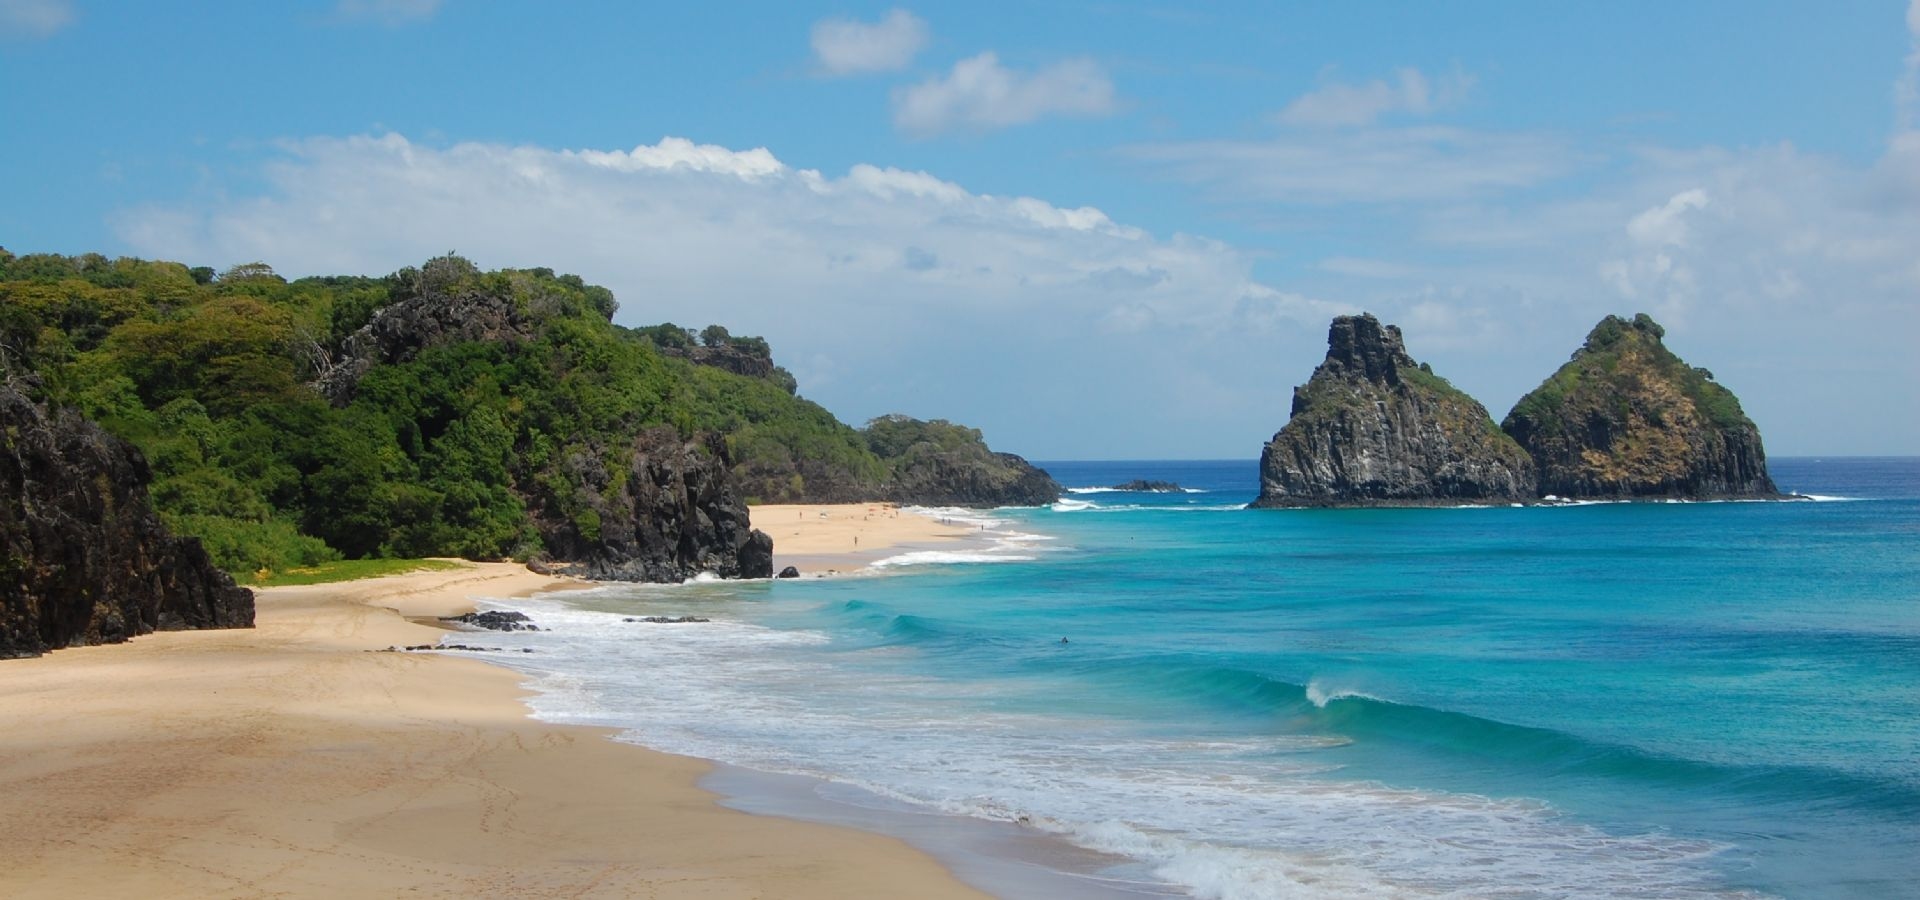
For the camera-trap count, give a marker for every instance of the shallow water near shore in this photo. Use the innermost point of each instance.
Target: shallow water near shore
(1675, 700)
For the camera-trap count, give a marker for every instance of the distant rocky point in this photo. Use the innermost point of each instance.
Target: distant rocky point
(1627, 419)
(1372, 427)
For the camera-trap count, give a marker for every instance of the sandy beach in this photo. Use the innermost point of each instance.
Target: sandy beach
(818, 538)
(297, 760)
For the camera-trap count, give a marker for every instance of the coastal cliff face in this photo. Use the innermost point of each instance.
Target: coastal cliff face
(83, 558)
(669, 515)
(1374, 428)
(1626, 419)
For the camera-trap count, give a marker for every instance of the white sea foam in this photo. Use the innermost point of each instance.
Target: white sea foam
(1240, 819)
(1067, 506)
(948, 557)
(1320, 694)
(1114, 490)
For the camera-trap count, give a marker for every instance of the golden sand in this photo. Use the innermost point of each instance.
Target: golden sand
(290, 761)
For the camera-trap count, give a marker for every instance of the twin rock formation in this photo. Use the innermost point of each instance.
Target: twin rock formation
(1624, 419)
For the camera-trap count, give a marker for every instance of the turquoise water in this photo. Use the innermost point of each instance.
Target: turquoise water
(1610, 700)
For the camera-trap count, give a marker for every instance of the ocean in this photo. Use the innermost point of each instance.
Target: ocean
(1135, 694)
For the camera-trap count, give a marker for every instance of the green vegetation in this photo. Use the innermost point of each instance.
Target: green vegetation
(1619, 357)
(456, 444)
(348, 570)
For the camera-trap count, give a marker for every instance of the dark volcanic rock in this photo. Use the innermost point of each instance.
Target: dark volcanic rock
(495, 620)
(789, 572)
(1374, 428)
(1149, 486)
(400, 331)
(83, 557)
(670, 514)
(669, 620)
(1626, 418)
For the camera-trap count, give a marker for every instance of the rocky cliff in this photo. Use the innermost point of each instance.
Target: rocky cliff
(1374, 428)
(1626, 418)
(668, 515)
(83, 557)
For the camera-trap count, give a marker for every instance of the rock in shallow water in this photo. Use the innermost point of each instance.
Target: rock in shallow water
(495, 620)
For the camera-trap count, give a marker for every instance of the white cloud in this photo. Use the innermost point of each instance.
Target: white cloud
(1666, 225)
(34, 18)
(1340, 104)
(980, 94)
(850, 46)
(876, 285)
(680, 153)
(387, 12)
(1376, 165)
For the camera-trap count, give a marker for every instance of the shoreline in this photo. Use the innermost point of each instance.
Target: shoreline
(840, 538)
(294, 759)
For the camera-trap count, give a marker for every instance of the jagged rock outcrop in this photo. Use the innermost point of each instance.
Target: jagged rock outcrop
(1374, 428)
(83, 558)
(670, 514)
(1627, 419)
(400, 331)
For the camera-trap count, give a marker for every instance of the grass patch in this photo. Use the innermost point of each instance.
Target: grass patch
(345, 570)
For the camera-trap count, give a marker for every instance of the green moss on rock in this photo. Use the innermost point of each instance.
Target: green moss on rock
(1626, 418)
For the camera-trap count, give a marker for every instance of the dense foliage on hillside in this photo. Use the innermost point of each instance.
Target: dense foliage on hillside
(440, 410)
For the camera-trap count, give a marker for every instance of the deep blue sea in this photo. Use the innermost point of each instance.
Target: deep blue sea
(1611, 700)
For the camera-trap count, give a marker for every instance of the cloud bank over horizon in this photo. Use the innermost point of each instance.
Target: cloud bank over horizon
(877, 270)
(883, 270)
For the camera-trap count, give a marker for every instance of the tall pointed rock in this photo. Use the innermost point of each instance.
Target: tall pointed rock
(1374, 428)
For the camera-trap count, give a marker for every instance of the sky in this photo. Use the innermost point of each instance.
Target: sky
(1095, 230)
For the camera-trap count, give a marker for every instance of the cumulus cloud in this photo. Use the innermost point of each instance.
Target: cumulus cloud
(1376, 165)
(1342, 104)
(980, 94)
(1666, 225)
(850, 46)
(387, 12)
(875, 286)
(34, 18)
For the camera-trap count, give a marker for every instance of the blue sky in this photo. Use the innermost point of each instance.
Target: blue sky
(1097, 230)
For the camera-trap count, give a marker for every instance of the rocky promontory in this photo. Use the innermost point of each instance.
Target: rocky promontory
(1372, 427)
(670, 514)
(938, 463)
(83, 557)
(1627, 419)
